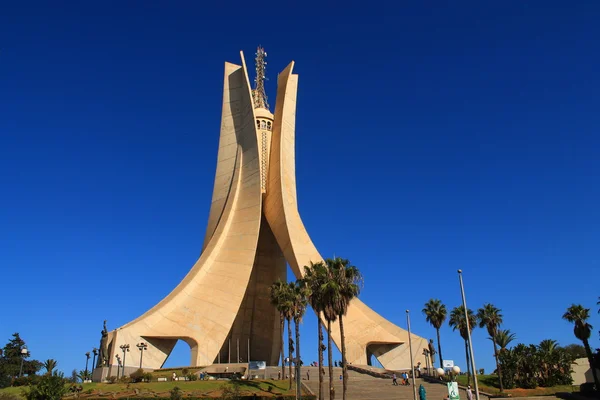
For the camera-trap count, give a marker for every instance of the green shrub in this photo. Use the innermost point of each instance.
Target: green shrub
(50, 387)
(185, 371)
(111, 379)
(175, 394)
(192, 376)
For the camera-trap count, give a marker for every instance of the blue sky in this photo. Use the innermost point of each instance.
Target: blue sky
(454, 135)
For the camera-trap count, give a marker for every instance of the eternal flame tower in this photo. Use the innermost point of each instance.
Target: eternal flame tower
(254, 228)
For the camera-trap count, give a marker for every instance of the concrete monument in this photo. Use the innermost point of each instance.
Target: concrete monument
(221, 309)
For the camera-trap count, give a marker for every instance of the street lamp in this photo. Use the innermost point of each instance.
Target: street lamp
(412, 364)
(143, 346)
(125, 348)
(464, 300)
(24, 353)
(455, 372)
(87, 360)
(95, 353)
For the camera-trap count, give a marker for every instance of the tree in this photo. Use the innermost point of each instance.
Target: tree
(459, 322)
(344, 286)
(578, 315)
(10, 361)
(490, 317)
(314, 277)
(435, 313)
(503, 338)
(575, 350)
(49, 365)
(277, 294)
(328, 289)
(298, 293)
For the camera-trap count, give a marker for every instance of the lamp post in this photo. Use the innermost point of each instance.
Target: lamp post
(142, 346)
(24, 353)
(412, 364)
(464, 300)
(125, 348)
(95, 353)
(87, 360)
(118, 365)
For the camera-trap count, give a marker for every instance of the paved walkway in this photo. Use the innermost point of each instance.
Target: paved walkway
(366, 387)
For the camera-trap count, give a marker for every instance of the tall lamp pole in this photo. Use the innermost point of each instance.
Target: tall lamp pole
(95, 353)
(464, 300)
(125, 348)
(24, 353)
(142, 346)
(87, 360)
(412, 365)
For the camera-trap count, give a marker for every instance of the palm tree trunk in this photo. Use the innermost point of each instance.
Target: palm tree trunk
(468, 363)
(498, 367)
(344, 366)
(330, 361)
(281, 322)
(590, 357)
(290, 350)
(439, 348)
(320, 328)
(298, 366)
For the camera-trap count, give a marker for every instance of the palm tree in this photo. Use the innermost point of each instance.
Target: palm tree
(503, 338)
(583, 330)
(278, 296)
(548, 346)
(314, 276)
(345, 286)
(547, 349)
(435, 313)
(288, 306)
(458, 321)
(50, 364)
(490, 318)
(299, 294)
(330, 315)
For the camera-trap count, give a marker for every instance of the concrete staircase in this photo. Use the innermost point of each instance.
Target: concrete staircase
(366, 387)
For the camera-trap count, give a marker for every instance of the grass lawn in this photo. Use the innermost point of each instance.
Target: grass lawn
(489, 384)
(162, 389)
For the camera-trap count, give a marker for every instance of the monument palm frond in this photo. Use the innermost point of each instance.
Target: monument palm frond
(459, 322)
(314, 277)
(490, 317)
(579, 316)
(435, 313)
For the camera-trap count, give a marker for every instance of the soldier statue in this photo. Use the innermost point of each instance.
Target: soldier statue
(103, 356)
(432, 352)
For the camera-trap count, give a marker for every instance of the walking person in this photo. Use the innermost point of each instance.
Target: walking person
(469, 393)
(394, 381)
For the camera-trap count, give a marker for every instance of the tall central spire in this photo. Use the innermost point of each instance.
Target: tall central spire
(259, 96)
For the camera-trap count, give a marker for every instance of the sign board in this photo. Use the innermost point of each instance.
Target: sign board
(448, 363)
(453, 391)
(257, 365)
